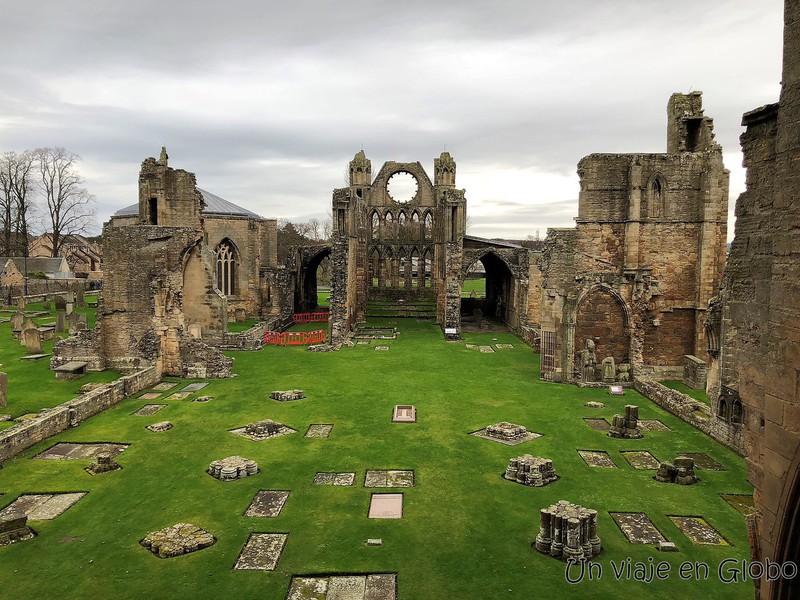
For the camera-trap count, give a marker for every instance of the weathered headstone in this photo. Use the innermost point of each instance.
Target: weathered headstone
(80, 299)
(609, 369)
(60, 303)
(70, 307)
(82, 322)
(3, 389)
(32, 339)
(21, 303)
(61, 321)
(73, 322)
(17, 320)
(45, 305)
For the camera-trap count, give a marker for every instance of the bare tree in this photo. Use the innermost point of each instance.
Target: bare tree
(314, 229)
(16, 201)
(69, 204)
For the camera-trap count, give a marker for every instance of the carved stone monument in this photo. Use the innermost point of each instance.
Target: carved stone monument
(61, 321)
(588, 361)
(609, 369)
(506, 431)
(181, 538)
(568, 531)
(530, 470)
(627, 426)
(14, 528)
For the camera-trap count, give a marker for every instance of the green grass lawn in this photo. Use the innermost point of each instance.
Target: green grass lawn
(465, 533)
(31, 384)
(473, 285)
(679, 386)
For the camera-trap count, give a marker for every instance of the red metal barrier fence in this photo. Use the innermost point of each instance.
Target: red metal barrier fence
(314, 317)
(294, 338)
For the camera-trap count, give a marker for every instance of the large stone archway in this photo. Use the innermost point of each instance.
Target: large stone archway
(306, 288)
(601, 316)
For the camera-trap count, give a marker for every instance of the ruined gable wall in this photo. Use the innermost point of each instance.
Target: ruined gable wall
(142, 314)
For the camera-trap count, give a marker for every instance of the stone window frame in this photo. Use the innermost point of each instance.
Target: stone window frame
(656, 206)
(226, 259)
(427, 227)
(375, 224)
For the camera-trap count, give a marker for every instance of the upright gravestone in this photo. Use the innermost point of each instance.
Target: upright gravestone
(32, 340)
(3, 390)
(16, 321)
(70, 307)
(80, 299)
(21, 303)
(73, 322)
(61, 321)
(82, 322)
(60, 303)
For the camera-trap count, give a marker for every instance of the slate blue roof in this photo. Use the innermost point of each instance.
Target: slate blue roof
(214, 206)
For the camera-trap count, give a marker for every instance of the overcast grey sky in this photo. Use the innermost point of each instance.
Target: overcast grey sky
(268, 101)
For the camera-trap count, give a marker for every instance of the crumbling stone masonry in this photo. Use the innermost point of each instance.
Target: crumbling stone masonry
(758, 384)
(626, 426)
(636, 274)
(530, 470)
(568, 531)
(680, 471)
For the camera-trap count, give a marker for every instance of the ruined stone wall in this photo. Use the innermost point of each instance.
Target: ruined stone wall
(149, 302)
(600, 317)
(52, 421)
(534, 299)
(651, 229)
(167, 196)
(760, 349)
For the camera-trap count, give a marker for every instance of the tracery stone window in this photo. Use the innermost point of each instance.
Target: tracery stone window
(656, 202)
(226, 267)
(428, 226)
(376, 226)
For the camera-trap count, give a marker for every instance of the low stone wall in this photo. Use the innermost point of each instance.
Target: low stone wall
(692, 411)
(531, 336)
(51, 421)
(252, 339)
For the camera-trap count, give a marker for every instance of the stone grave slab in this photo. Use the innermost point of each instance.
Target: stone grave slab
(267, 504)
(699, 531)
(78, 451)
(34, 356)
(388, 478)
(404, 413)
(652, 425)
(148, 410)
(704, 461)
(521, 439)
(319, 430)
(598, 424)
(179, 396)
(164, 386)
(266, 429)
(382, 348)
(194, 387)
(338, 479)
(597, 458)
(386, 506)
(374, 586)
(363, 342)
(181, 538)
(486, 349)
(261, 552)
(593, 404)
(640, 459)
(203, 399)
(504, 346)
(471, 346)
(43, 507)
(638, 528)
(743, 503)
(149, 396)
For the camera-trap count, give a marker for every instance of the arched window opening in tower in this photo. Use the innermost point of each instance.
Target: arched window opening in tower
(226, 268)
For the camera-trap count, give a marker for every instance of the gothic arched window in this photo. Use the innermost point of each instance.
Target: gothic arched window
(226, 267)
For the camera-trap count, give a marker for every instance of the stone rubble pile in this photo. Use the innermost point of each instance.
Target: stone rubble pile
(287, 395)
(181, 538)
(506, 431)
(680, 471)
(626, 426)
(531, 470)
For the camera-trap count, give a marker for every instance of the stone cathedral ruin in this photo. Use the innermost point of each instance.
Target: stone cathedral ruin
(636, 292)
